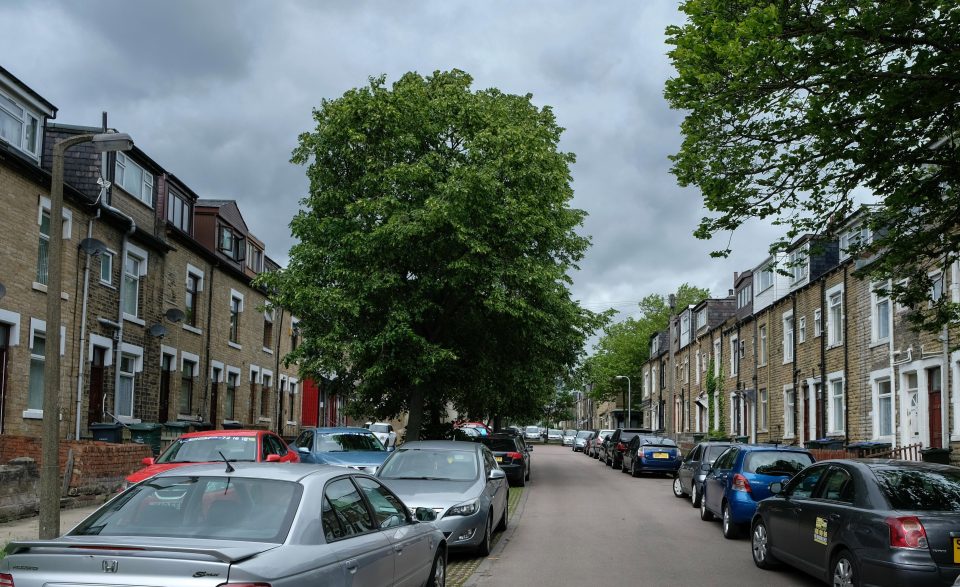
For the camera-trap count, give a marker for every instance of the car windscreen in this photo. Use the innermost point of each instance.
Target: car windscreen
(626, 437)
(204, 449)
(569, 432)
(771, 462)
(208, 507)
(922, 490)
(348, 442)
(532, 430)
(446, 465)
(657, 441)
(499, 444)
(554, 432)
(584, 434)
(713, 451)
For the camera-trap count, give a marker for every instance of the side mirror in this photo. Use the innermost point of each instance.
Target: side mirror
(425, 515)
(497, 474)
(147, 461)
(273, 458)
(776, 488)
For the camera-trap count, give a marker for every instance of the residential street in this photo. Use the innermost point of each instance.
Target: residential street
(585, 524)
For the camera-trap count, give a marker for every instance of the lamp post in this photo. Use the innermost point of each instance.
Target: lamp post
(629, 400)
(50, 440)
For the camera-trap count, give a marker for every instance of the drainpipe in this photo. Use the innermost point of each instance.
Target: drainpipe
(276, 365)
(821, 401)
(846, 362)
(83, 325)
(894, 396)
(797, 432)
(208, 381)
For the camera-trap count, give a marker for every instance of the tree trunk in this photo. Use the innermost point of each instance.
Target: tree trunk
(415, 410)
(497, 421)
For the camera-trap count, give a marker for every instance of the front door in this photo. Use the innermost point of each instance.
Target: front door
(934, 407)
(818, 394)
(4, 346)
(95, 394)
(163, 411)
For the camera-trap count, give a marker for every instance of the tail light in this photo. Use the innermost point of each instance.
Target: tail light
(621, 447)
(6, 580)
(515, 456)
(740, 483)
(905, 532)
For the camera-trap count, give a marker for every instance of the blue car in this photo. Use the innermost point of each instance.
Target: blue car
(741, 477)
(356, 448)
(651, 454)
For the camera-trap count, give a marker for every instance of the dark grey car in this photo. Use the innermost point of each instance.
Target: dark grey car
(689, 480)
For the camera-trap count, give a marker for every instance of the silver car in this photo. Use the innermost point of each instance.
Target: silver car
(460, 481)
(580, 440)
(277, 525)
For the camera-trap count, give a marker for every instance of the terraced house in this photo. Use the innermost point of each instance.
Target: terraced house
(803, 350)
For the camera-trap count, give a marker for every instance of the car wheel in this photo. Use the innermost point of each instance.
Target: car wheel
(623, 466)
(502, 526)
(634, 470)
(760, 545)
(528, 474)
(678, 487)
(694, 495)
(520, 481)
(846, 570)
(484, 548)
(730, 528)
(438, 574)
(705, 514)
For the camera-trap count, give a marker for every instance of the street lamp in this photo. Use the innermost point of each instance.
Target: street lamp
(50, 440)
(629, 400)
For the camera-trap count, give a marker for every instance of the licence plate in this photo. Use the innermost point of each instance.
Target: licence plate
(499, 459)
(661, 455)
(956, 550)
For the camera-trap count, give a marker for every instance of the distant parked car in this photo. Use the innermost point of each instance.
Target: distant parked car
(650, 454)
(554, 435)
(597, 446)
(216, 445)
(613, 451)
(385, 432)
(741, 477)
(689, 480)
(531, 433)
(512, 454)
(357, 448)
(864, 522)
(568, 436)
(580, 440)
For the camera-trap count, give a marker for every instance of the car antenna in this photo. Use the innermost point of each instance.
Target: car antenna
(230, 468)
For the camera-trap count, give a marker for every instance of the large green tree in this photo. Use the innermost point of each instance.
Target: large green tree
(805, 111)
(434, 250)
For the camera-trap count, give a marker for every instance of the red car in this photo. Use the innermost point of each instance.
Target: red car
(207, 446)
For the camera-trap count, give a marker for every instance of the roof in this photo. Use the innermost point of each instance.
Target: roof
(440, 445)
(242, 432)
(278, 471)
(5, 73)
(341, 429)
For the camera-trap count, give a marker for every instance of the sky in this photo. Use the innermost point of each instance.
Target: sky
(218, 91)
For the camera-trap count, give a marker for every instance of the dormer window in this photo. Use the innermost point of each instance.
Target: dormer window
(764, 279)
(799, 264)
(744, 296)
(134, 179)
(254, 258)
(231, 243)
(853, 238)
(179, 211)
(655, 346)
(19, 126)
(701, 318)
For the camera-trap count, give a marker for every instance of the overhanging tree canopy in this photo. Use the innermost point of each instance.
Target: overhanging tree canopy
(802, 110)
(434, 250)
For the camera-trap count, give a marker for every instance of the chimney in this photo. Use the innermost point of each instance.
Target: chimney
(736, 274)
(729, 293)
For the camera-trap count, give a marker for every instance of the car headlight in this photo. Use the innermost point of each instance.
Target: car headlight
(467, 508)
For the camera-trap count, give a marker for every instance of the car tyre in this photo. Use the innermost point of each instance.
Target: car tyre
(760, 546)
(678, 487)
(845, 570)
(623, 466)
(694, 495)
(528, 474)
(484, 547)
(634, 470)
(504, 519)
(705, 514)
(438, 573)
(730, 529)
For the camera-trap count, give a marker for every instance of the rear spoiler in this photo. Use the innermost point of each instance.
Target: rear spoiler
(226, 555)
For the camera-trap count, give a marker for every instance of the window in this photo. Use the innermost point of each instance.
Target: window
(817, 323)
(805, 482)
(701, 318)
(106, 268)
(294, 334)
(798, 265)
(852, 239)
(265, 396)
(838, 486)
(254, 258)
(268, 329)
(231, 243)
(716, 356)
(744, 296)
(387, 509)
(19, 127)
(936, 287)
(684, 329)
(837, 409)
(734, 355)
(125, 392)
(236, 306)
(789, 415)
(788, 338)
(348, 514)
(134, 179)
(764, 279)
(186, 387)
(835, 317)
(43, 251)
(802, 329)
(655, 345)
(879, 315)
(190, 299)
(884, 407)
(133, 269)
(763, 345)
(764, 409)
(229, 401)
(38, 346)
(179, 211)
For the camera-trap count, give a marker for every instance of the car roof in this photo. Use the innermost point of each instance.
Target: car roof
(280, 471)
(333, 429)
(441, 445)
(769, 447)
(890, 464)
(241, 432)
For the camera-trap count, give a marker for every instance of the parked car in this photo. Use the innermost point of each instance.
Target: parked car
(216, 445)
(613, 450)
(597, 446)
(199, 528)
(480, 427)
(357, 448)
(384, 432)
(568, 436)
(580, 440)
(689, 480)
(512, 454)
(650, 454)
(741, 477)
(531, 433)
(458, 480)
(554, 435)
(864, 522)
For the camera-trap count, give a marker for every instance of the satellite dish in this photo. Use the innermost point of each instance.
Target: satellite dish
(3, 291)
(157, 330)
(175, 315)
(92, 246)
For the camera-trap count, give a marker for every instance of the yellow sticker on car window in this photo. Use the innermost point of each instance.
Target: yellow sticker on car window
(820, 531)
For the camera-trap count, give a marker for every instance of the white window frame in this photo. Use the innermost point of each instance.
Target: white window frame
(799, 270)
(764, 353)
(146, 179)
(11, 319)
(144, 258)
(734, 355)
(67, 214)
(835, 323)
(764, 283)
(763, 408)
(717, 367)
(701, 318)
(788, 340)
(111, 255)
(937, 287)
(25, 117)
(235, 295)
(832, 380)
(789, 413)
(877, 378)
(802, 330)
(877, 314)
(817, 323)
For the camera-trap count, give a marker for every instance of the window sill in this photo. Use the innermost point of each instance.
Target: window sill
(231, 422)
(192, 329)
(789, 436)
(128, 420)
(108, 285)
(834, 345)
(232, 344)
(133, 319)
(43, 289)
(188, 418)
(291, 423)
(881, 342)
(33, 414)
(787, 362)
(268, 351)
(265, 420)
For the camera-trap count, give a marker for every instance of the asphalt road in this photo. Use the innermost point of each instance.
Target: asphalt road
(583, 523)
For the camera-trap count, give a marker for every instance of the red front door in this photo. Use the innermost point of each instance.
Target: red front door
(934, 411)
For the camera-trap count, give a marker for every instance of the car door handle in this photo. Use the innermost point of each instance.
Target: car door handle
(352, 566)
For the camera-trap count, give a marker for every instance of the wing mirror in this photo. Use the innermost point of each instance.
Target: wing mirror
(497, 474)
(425, 515)
(147, 461)
(273, 458)
(776, 488)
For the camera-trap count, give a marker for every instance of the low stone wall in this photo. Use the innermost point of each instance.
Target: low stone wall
(19, 489)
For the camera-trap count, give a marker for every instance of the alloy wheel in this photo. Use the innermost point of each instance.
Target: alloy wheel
(759, 544)
(677, 487)
(843, 572)
(439, 571)
(694, 498)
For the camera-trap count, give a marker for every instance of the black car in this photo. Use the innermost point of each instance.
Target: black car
(650, 454)
(864, 522)
(689, 480)
(618, 443)
(512, 454)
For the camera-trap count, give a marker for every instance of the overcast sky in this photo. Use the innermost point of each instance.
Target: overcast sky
(217, 92)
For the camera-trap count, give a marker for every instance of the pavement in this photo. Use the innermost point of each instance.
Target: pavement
(29, 528)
